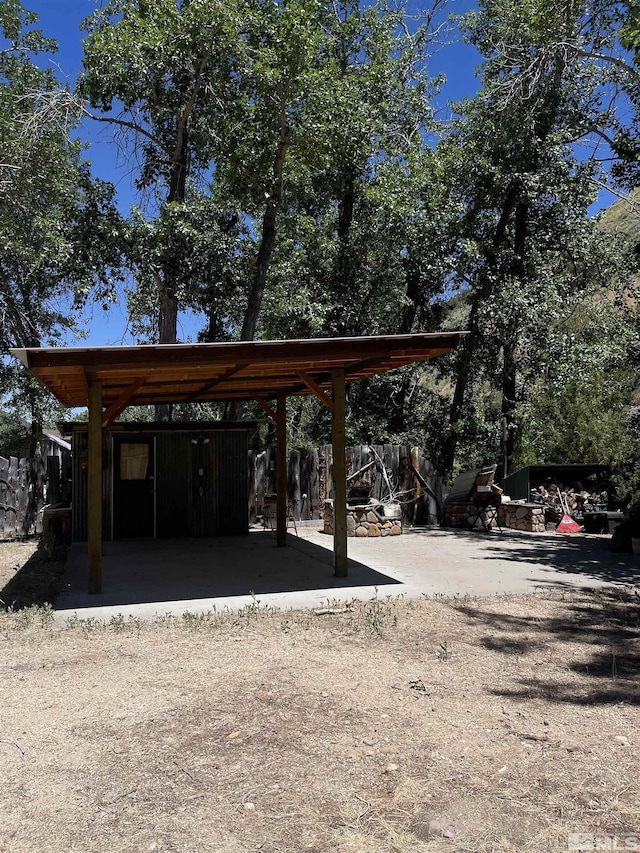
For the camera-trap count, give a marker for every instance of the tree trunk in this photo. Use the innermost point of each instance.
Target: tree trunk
(516, 210)
(509, 349)
(345, 208)
(398, 410)
(464, 364)
(508, 409)
(470, 345)
(410, 310)
(165, 280)
(344, 271)
(267, 242)
(168, 319)
(167, 330)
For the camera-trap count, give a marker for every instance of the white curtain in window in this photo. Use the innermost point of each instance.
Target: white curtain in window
(134, 459)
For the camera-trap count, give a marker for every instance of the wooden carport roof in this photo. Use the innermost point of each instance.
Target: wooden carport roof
(186, 373)
(108, 379)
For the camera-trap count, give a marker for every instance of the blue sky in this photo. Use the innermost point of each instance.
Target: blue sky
(62, 19)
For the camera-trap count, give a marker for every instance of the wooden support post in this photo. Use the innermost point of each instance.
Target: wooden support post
(94, 488)
(339, 476)
(281, 471)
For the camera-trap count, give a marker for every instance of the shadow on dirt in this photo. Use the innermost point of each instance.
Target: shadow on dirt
(601, 628)
(37, 582)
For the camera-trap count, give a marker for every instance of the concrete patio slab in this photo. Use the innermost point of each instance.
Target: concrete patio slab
(146, 577)
(149, 578)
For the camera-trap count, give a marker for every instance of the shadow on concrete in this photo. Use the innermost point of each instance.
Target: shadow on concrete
(582, 555)
(606, 619)
(140, 571)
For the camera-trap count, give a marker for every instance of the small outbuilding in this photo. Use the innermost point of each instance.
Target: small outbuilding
(165, 480)
(519, 484)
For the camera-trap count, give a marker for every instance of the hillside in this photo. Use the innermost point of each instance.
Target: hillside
(623, 216)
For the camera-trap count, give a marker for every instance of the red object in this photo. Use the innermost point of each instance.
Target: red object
(568, 525)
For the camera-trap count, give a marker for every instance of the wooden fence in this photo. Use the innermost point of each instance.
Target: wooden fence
(310, 479)
(26, 485)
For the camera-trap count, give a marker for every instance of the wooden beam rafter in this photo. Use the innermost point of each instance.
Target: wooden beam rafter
(310, 382)
(227, 371)
(266, 407)
(231, 371)
(355, 367)
(362, 364)
(132, 357)
(121, 402)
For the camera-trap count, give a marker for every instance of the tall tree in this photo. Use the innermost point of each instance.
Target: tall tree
(164, 74)
(360, 246)
(281, 74)
(56, 223)
(357, 219)
(529, 250)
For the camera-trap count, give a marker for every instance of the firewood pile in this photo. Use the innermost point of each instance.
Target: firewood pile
(577, 499)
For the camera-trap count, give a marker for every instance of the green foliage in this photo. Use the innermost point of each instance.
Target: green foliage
(194, 245)
(15, 434)
(56, 223)
(531, 263)
(364, 224)
(165, 76)
(289, 152)
(168, 69)
(222, 102)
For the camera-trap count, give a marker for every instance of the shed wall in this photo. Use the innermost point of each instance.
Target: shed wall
(79, 446)
(233, 482)
(201, 483)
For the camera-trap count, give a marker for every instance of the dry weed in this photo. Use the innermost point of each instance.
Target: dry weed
(346, 732)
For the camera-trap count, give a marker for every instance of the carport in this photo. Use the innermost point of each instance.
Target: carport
(108, 379)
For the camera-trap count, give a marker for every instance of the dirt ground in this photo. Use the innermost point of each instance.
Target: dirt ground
(496, 724)
(29, 572)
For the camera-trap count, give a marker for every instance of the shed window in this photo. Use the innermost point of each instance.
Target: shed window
(134, 460)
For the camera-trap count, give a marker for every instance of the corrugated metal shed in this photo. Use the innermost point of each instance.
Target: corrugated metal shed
(197, 480)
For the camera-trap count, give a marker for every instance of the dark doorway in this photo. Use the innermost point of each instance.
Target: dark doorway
(202, 484)
(203, 500)
(133, 487)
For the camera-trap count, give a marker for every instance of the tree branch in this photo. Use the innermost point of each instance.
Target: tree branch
(187, 110)
(121, 122)
(611, 60)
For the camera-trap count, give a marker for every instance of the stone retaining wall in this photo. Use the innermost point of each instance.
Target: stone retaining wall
(362, 521)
